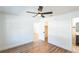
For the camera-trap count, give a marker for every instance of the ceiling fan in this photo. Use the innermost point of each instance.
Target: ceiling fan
(40, 9)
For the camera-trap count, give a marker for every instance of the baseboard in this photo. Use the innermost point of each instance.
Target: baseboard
(13, 46)
(61, 47)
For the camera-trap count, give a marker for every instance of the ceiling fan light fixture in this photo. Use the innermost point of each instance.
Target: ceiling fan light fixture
(40, 13)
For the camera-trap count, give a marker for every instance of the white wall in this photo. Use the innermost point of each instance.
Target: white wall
(15, 30)
(59, 28)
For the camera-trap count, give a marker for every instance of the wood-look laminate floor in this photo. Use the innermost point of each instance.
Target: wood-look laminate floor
(36, 47)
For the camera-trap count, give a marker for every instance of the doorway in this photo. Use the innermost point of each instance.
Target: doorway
(75, 34)
(41, 29)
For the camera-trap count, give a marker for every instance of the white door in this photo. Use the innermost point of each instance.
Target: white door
(41, 30)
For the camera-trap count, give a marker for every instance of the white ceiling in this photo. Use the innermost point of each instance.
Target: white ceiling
(56, 9)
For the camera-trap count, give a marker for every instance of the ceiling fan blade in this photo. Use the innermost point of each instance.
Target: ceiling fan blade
(40, 8)
(31, 12)
(35, 15)
(47, 13)
(42, 16)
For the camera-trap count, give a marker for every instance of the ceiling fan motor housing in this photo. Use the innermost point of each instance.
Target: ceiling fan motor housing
(40, 8)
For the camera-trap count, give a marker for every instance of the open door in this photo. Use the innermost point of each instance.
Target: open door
(46, 31)
(41, 30)
(75, 34)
